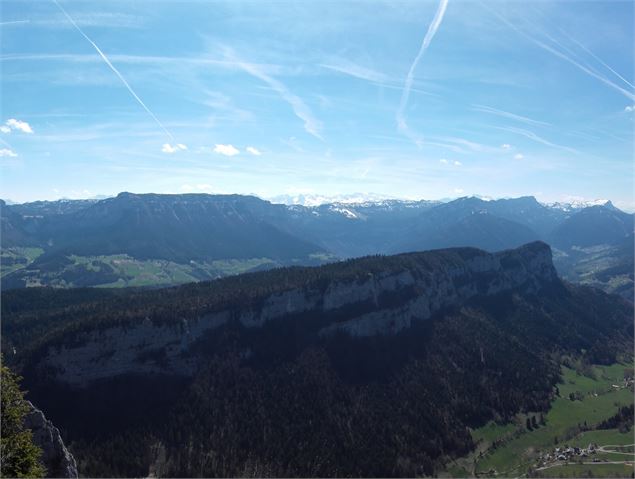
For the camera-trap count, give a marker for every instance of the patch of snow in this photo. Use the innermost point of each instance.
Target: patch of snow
(576, 204)
(312, 200)
(345, 211)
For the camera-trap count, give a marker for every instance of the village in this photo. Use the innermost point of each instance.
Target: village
(567, 453)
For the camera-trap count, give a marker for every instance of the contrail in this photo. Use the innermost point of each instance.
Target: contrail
(432, 30)
(583, 47)
(561, 55)
(112, 67)
(532, 136)
(597, 58)
(5, 143)
(311, 125)
(506, 114)
(14, 22)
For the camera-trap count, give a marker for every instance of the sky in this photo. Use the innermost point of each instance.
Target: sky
(405, 99)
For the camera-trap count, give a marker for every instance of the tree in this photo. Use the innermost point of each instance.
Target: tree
(529, 424)
(18, 454)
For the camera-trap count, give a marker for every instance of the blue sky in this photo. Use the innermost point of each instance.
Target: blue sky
(405, 99)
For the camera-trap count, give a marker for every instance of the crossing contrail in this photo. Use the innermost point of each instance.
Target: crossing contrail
(112, 67)
(586, 69)
(432, 30)
(598, 59)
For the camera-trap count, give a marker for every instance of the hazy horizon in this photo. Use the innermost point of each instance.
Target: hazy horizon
(316, 199)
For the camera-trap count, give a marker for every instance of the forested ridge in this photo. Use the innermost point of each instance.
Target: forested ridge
(36, 313)
(281, 400)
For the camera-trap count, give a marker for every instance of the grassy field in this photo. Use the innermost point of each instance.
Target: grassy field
(135, 272)
(20, 257)
(518, 448)
(596, 266)
(492, 431)
(118, 271)
(588, 470)
(606, 436)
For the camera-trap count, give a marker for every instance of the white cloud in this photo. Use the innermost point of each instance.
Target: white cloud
(5, 129)
(457, 163)
(311, 124)
(227, 150)
(458, 190)
(14, 124)
(518, 156)
(203, 187)
(629, 108)
(169, 149)
(444, 161)
(253, 151)
(506, 146)
(7, 152)
(222, 103)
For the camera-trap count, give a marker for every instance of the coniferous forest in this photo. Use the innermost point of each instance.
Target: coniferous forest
(283, 400)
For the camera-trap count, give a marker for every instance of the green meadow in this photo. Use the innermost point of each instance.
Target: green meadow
(511, 450)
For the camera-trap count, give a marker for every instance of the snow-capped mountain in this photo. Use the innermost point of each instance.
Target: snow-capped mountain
(311, 200)
(576, 205)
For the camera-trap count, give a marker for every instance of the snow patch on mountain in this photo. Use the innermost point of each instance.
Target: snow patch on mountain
(312, 200)
(577, 204)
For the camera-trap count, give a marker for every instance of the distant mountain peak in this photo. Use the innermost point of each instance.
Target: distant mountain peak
(578, 204)
(313, 199)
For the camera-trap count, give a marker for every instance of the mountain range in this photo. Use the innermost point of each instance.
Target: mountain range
(151, 239)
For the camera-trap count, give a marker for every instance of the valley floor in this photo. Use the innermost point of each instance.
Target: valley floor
(513, 450)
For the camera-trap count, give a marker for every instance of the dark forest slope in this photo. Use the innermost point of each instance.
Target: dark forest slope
(370, 367)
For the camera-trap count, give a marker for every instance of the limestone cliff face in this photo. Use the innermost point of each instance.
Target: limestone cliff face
(378, 304)
(55, 457)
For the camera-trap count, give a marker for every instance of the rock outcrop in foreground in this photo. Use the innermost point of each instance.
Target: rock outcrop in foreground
(55, 457)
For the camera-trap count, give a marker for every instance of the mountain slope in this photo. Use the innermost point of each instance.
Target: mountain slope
(171, 227)
(179, 228)
(463, 222)
(527, 211)
(159, 240)
(355, 229)
(609, 267)
(148, 240)
(14, 229)
(602, 224)
(369, 367)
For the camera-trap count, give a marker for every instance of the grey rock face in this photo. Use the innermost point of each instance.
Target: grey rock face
(56, 458)
(149, 348)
